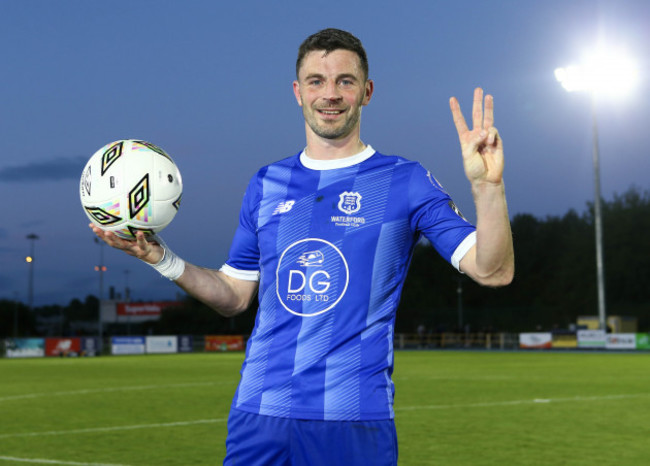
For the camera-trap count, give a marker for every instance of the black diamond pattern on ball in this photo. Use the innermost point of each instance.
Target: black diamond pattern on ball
(111, 155)
(177, 202)
(134, 230)
(102, 217)
(139, 196)
(154, 148)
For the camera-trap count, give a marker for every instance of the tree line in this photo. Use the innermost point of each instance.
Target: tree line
(555, 276)
(555, 283)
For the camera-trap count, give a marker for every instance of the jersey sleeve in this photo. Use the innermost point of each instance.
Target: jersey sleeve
(244, 255)
(434, 215)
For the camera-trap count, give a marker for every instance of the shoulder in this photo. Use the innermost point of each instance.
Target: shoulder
(411, 170)
(396, 161)
(286, 163)
(273, 169)
(387, 159)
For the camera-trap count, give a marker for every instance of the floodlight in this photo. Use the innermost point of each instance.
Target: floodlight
(604, 72)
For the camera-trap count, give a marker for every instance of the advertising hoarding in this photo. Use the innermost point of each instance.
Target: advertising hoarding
(624, 341)
(25, 347)
(643, 341)
(564, 340)
(591, 339)
(144, 309)
(224, 343)
(185, 343)
(162, 344)
(535, 340)
(62, 347)
(127, 345)
(90, 346)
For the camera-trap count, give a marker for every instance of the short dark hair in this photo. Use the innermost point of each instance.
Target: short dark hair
(329, 40)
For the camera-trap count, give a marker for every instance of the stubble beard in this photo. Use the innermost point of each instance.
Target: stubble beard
(332, 132)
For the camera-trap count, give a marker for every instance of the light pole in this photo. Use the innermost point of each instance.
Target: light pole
(603, 73)
(598, 221)
(101, 268)
(30, 260)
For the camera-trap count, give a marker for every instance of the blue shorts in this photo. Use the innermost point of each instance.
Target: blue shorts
(256, 440)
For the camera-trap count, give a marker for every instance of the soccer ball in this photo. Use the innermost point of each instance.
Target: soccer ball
(129, 186)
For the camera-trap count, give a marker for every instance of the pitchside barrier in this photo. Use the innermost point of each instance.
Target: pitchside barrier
(585, 339)
(446, 340)
(172, 344)
(119, 345)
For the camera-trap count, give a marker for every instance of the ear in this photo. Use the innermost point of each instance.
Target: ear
(370, 88)
(296, 92)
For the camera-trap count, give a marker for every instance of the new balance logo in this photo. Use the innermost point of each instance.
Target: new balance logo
(283, 207)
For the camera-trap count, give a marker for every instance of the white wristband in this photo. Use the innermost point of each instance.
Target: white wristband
(170, 266)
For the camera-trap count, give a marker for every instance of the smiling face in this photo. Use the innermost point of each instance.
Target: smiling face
(331, 89)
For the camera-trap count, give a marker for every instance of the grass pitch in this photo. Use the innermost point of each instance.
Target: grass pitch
(452, 408)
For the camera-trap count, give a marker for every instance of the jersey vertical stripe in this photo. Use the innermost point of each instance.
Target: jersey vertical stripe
(343, 385)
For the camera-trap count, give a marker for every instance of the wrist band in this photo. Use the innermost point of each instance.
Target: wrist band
(170, 266)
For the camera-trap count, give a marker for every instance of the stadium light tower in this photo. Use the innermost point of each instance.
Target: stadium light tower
(30, 260)
(604, 73)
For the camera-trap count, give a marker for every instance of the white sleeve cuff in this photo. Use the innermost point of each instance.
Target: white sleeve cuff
(462, 249)
(248, 275)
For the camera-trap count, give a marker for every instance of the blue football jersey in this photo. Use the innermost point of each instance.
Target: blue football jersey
(331, 242)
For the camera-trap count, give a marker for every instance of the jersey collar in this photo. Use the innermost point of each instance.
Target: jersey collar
(315, 164)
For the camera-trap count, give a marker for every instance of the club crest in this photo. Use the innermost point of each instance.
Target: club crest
(349, 202)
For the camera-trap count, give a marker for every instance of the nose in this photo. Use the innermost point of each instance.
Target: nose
(332, 93)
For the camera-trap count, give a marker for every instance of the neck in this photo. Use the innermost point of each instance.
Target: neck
(319, 148)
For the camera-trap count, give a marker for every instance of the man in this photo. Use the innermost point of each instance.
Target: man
(326, 236)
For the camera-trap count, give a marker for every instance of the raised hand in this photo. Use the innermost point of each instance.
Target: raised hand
(481, 146)
(141, 248)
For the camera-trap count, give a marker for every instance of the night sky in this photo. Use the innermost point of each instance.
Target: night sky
(210, 82)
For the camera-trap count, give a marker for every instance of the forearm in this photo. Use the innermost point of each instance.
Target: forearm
(494, 262)
(491, 261)
(224, 294)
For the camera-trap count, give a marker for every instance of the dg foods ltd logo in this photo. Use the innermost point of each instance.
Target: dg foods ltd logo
(312, 277)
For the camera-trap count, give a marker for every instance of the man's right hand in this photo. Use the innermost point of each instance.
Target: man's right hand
(150, 252)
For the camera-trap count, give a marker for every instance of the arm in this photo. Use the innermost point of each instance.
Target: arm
(226, 295)
(491, 261)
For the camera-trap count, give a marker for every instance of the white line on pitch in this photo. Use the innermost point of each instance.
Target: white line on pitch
(46, 461)
(104, 390)
(524, 402)
(111, 429)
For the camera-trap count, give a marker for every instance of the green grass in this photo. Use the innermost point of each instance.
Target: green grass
(452, 408)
